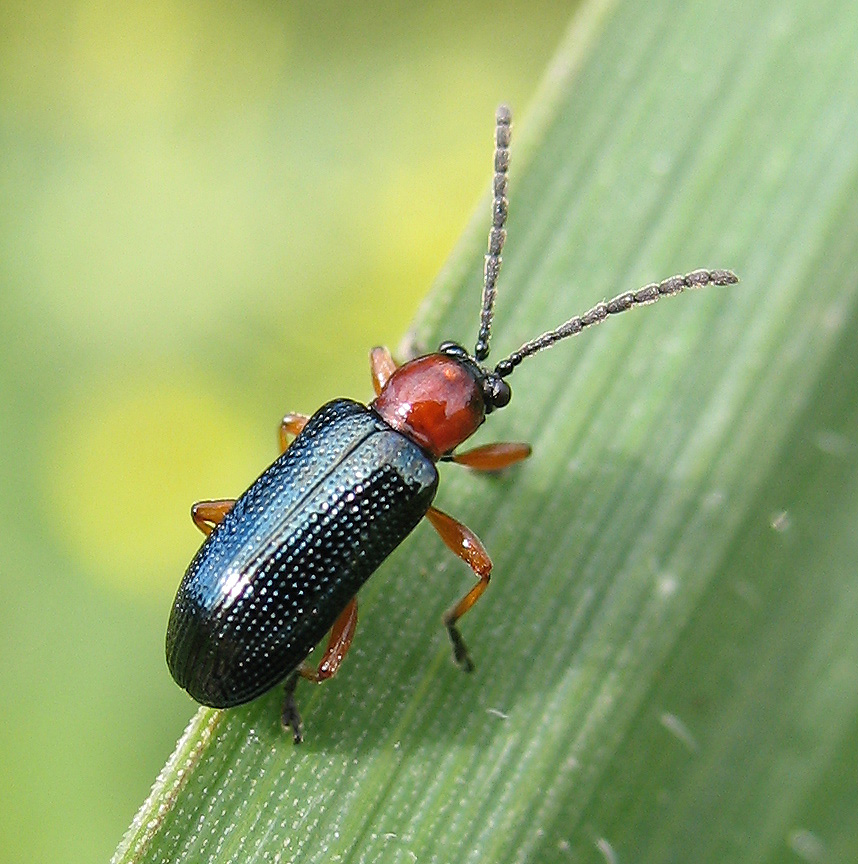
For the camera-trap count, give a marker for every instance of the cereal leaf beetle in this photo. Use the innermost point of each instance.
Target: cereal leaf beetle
(282, 564)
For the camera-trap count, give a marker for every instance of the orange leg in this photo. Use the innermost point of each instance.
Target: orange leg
(290, 426)
(464, 543)
(383, 366)
(207, 514)
(339, 642)
(492, 457)
(342, 634)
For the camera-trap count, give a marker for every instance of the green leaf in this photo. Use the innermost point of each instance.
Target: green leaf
(667, 657)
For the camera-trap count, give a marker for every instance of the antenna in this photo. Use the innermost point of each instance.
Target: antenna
(497, 234)
(646, 295)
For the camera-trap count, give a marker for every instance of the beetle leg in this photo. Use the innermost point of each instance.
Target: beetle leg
(383, 366)
(464, 543)
(207, 514)
(290, 718)
(291, 425)
(492, 457)
(342, 634)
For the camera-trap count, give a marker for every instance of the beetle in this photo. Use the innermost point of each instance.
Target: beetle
(282, 564)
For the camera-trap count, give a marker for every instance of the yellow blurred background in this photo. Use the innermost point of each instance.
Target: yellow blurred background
(210, 212)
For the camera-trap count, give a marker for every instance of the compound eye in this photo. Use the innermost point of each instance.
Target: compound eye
(452, 349)
(499, 392)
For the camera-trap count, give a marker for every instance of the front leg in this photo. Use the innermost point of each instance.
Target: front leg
(491, 457)
(382, 366)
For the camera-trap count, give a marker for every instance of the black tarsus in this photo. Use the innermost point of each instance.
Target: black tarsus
(290, 717)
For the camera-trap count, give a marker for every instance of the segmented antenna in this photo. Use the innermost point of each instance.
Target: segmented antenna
(648, 294)
(497, 234)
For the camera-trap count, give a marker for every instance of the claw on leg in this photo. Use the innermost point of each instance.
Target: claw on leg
(464, 543)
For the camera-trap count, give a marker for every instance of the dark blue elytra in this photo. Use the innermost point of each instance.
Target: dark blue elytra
(272, 578)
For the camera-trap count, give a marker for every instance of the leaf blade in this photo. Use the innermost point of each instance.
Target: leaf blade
(655, 441)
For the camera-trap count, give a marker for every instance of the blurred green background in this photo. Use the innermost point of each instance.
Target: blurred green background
(210, 211)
